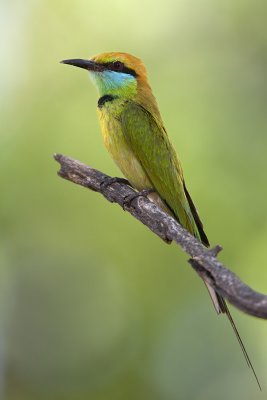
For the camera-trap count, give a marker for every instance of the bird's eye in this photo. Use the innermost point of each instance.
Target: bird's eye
(117, 66)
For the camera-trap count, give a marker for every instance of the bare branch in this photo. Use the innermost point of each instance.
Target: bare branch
(203, 260)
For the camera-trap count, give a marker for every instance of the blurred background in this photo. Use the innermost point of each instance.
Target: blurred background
(92, 304)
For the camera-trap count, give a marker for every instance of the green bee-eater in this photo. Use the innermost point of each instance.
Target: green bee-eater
(136, 138)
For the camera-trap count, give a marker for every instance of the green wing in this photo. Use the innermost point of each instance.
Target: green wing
(148, 140)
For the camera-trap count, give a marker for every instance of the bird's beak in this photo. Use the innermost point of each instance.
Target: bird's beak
(85, 64)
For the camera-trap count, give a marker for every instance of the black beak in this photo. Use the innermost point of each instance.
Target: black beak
(85, 64)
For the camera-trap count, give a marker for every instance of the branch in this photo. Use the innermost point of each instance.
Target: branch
(203, 260)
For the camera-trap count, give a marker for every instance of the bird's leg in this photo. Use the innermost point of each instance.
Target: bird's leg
(107, 181)
(143, 193)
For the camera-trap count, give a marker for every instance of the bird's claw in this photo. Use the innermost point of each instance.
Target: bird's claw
(143, 193)
(107, 181)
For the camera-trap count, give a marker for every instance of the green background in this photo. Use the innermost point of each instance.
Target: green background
(92, 304)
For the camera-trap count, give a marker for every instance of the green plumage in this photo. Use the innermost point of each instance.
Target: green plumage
(150, 144)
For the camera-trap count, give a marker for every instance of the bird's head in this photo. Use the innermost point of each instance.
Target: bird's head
(117, 74)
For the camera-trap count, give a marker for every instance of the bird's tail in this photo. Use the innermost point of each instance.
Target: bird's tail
(221, 307)
(217, 300)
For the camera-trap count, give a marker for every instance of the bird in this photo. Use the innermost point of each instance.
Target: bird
(135, 136)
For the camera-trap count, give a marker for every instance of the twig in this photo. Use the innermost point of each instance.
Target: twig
(203, 260)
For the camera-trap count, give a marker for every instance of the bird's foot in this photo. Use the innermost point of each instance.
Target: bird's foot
(109, 181)
(143, 193)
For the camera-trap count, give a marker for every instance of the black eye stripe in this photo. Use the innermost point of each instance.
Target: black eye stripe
(110, 66)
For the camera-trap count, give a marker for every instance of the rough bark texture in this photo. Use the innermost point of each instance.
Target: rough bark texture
(203, 260)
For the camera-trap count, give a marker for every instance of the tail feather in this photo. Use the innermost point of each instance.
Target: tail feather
(225, 310)
(217, 300)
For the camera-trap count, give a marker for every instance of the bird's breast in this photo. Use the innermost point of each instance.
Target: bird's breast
(117, 146)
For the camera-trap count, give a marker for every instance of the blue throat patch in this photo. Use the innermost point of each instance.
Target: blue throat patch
(113, 82)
